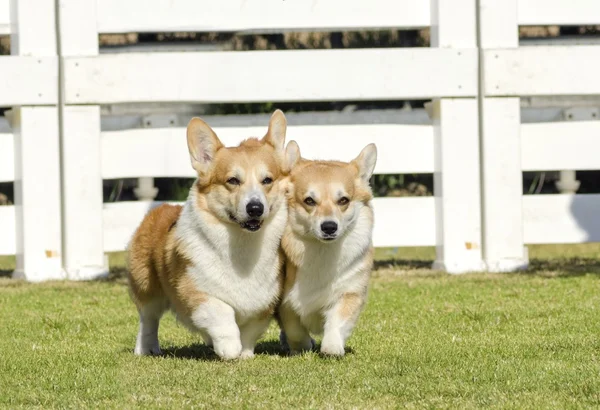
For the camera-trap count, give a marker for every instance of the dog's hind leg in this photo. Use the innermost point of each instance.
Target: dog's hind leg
(296, 335)
(250, 332)
(150, 314)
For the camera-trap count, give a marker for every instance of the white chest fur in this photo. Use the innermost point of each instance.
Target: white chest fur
(238, 267)
(328, 270)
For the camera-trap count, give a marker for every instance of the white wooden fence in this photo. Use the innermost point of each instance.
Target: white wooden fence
(477, 148)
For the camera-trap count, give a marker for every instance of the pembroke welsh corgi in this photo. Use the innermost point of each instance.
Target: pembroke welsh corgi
(328, 248)
(216, 261)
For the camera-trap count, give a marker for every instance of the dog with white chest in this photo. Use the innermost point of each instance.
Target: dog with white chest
(328, 249)
(216, 261)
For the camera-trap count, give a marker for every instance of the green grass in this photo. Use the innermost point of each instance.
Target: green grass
(529, 340)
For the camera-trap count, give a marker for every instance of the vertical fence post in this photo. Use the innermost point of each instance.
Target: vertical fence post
(457, 167)
(81, 175)
(37, 153)
(502, 183)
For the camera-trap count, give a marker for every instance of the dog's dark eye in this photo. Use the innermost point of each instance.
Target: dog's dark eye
(309, 201)
(343, 201)
(267, 181)
(233, 181)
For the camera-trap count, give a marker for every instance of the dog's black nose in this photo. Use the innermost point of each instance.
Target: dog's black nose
(329, 227)
(255, 209)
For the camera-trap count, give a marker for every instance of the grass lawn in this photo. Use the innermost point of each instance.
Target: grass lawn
(426, 339)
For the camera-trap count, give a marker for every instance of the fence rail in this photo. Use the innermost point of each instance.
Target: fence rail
(259, 16)
(291, 75)
(475, 146)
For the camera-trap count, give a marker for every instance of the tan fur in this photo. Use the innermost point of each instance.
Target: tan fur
(165, 268)
(349, 304)
(156, 268)
(326, 282)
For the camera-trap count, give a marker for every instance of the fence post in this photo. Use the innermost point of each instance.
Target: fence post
(37, 153)
(457, 168)
(81, 176)
(502, 181)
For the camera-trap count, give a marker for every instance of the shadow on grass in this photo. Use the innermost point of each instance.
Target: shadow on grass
(199, 351)
(5, 273)
(116, 275)
(566, 267)
(559, 267)
(403, 264)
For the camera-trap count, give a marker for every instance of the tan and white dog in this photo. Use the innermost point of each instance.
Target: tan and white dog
(328, 248)
(216, 261)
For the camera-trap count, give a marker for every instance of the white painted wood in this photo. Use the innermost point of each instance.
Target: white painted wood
(398, 222)
(37, 194)
(78, 27)
(453, 24)
(498, 25)
(163, 152)
(116, 16)
(7, 222)
(567, 182)
(502, 187)
(456, 153)
(573, 145)
(4, 17)
(33, 80)
(456, 186)
(82, 193)
(542, 71)
(561, 218)
(34, 77)
(82, 178)
(297, 75)
(501, 176)
(7, 158)
(33, 28)
(561, 12)
(404, 222)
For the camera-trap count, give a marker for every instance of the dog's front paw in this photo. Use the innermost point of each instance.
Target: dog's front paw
(332, 347)
(147, 350)
(247, 354)
(228, 349)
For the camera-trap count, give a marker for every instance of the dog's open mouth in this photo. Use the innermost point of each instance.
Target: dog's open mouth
(251, 225)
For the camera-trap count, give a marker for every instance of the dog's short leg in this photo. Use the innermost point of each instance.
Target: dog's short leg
(339, 322)
(250, 332)
(297, 336)
(217, 319)
(147, 338)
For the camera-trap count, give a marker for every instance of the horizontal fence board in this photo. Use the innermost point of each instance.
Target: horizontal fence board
(264, 16)
(163, 152)
(561, 218)
(33, 80)
(542, 71)
(271, 76)
(571, 145)
(4, 17)
(7, 158)
(398, 222)
(560, 12)
(404, 222)
(8, 238)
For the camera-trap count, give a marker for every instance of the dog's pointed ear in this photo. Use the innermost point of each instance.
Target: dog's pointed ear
(292, 155)
(276, 133)
(365, 162)
(203, 144)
